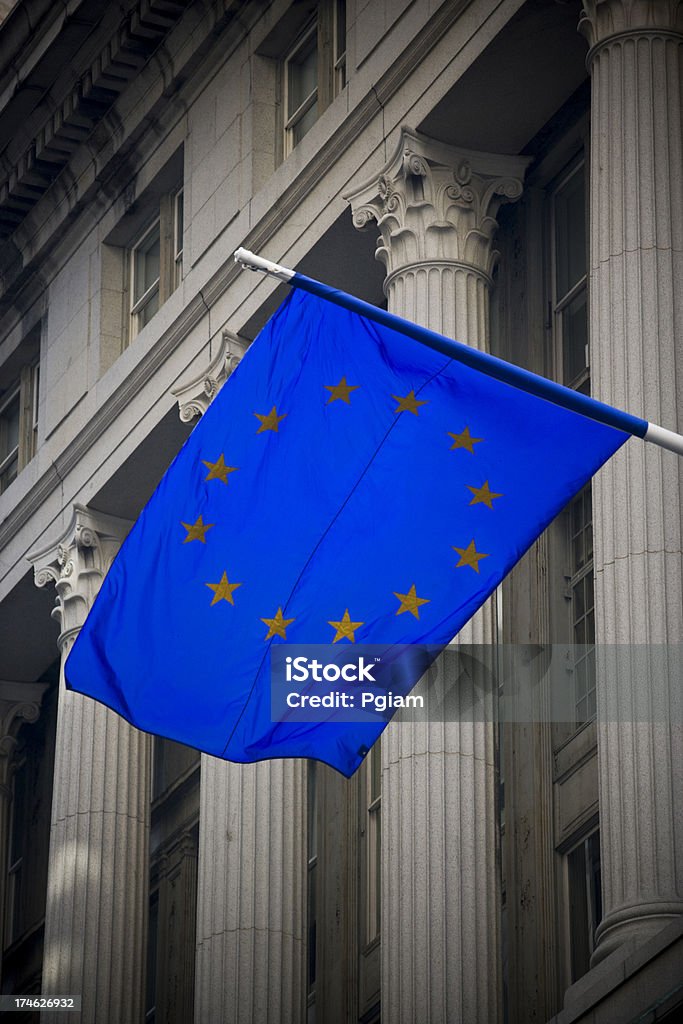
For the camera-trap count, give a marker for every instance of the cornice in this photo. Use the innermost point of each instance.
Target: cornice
(96, 90)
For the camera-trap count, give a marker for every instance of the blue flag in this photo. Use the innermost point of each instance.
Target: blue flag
(347, 485)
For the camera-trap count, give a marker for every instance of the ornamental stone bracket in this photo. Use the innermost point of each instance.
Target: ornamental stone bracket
(195, 396)
(19, 703)
(434, 203)
(76, 563)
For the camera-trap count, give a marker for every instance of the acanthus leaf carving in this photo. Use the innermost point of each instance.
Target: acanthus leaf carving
(602, 20)
(77, 562)
(19, 702)
(195, 397)
(435, 202)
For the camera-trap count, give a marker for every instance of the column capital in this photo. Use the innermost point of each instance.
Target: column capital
(195, 396)
(602, 20)
(434, 203)
(77, 562)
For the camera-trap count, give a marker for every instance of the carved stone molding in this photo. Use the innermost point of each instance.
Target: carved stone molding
(195, 396)
(77, 562)
(603, 19)
(438, 204)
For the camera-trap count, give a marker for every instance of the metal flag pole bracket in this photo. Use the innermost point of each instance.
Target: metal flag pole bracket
(525, 380)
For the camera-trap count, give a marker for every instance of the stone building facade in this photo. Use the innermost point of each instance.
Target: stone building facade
(508, 172)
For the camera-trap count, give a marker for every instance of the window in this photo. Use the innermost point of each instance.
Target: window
(570, 328)
(311, 884)
(145, 264)
(339, 46)
(585, 901)
(156, 262)
(570, 286)
(369, 893)
(174, 848)
(373, 847)
(152, 951)
(18, 424)
(15, 908)
(301, 86)
(314, 70)
(178, 220)
(581, 594)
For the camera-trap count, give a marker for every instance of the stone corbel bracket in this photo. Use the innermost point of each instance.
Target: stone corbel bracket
(435, 203)
(77, 562)
(19, 703)
(195, 396)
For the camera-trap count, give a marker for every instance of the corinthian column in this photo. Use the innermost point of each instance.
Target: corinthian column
(636, 258)
(435, 207)
(250, 966)
(96, 889)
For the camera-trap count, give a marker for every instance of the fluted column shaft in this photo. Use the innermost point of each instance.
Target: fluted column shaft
(251, 936)
(441, 960)
(95, 914)
(250, 919)
(636, 227)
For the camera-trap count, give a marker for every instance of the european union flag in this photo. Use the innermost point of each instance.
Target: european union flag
(347, 485)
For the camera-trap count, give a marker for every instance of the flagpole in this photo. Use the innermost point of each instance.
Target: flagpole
(525, 380)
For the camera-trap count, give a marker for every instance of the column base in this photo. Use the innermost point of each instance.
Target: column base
(633, 926)
(625, 985)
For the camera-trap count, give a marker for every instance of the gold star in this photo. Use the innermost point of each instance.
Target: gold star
(269, 422)
(341, 391)
(277, 626)
(410, 602)
(409, 403)
(218, 470)
(483, 495)
(223, 591)
(346, 628)
(465, 440)
(197, 531)
(469, 556)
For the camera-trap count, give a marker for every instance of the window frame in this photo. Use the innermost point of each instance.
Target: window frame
(583, 652)
(12, 454)
(308, 35)
(591, 900)
(369, 892)
(178, 235)
(373, 846)
(25, 390)
(583, 657)
(560, 302)
(168, 224)
(339, 48)
(312, 882)
(326, 32)
(137, 306)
